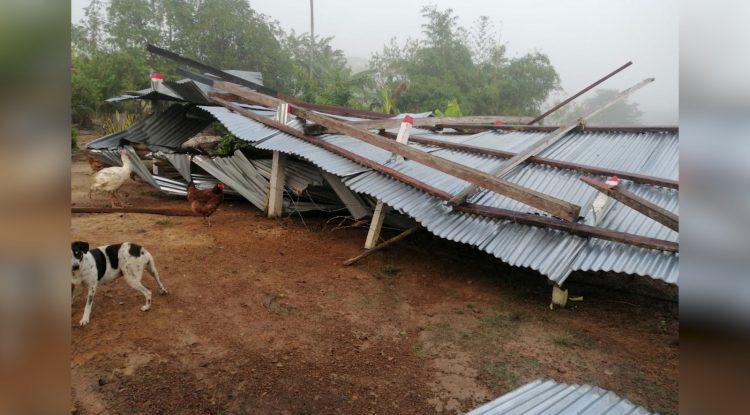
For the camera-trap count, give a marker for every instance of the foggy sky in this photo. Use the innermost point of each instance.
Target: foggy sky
(584, 39)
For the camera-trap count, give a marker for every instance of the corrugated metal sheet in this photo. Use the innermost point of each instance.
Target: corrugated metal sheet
(545, 396)
(553, 253)
(247, 129)
(161, 131)
(238, 173)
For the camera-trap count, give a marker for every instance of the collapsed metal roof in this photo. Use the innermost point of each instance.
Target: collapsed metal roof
(553, 253)
(545, 396)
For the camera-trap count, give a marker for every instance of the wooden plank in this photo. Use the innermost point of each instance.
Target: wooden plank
(541, 201)
(636, 202)
(150, 211)
(433, 121)
(602, 171)
(572, 228)
(545, 142)
(376, 224)
(385, 244)
(579, 93)
(276, 185)
(546, 128)
(350, 199)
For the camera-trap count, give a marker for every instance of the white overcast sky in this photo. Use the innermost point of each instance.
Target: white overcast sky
(585, 39)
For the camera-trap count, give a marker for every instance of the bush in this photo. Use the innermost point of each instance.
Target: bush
(73, 138)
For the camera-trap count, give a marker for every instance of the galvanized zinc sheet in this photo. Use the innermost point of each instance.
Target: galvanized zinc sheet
(545, 396)
(247, 129)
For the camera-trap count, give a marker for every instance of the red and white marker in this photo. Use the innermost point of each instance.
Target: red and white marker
(156, 79)
(405, 130)
(613, 181)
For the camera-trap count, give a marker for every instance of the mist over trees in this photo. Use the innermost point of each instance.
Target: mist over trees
(621, 114)
(450, 69)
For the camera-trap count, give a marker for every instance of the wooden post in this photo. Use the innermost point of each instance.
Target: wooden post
(403, 135)
(373, 235)
(559, 297)
(278, 170)
(351, 200)
(276, 185)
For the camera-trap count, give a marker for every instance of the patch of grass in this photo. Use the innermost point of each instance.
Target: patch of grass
(389, 269)
(73, 138)
(509, 370)
(272, 304)
(165, 222)
(343, 397)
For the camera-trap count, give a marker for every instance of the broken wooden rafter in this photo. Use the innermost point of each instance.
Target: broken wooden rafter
(636, 202)
(634, 177)
(385, 244)
(334, 109)
(581, 92)
(541, 201)
(524, 218)
(545, 142)
(572, 228)
(430, 122)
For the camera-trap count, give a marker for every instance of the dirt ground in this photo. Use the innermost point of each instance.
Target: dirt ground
(262, 318)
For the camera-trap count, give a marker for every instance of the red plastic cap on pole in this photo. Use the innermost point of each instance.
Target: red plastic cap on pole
(409, 119)
(498, 123)
(613, 179)
(157, 75)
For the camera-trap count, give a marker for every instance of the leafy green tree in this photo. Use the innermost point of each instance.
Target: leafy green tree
(331, 80)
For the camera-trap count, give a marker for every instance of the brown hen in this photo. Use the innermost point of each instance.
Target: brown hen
(205, 201)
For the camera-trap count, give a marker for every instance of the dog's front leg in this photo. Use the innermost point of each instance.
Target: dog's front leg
(89, 303)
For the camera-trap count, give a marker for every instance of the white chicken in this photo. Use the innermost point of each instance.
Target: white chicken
(110, 179)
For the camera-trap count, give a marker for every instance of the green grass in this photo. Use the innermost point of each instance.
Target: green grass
(272, 304)
(570, 340)
(165, 222)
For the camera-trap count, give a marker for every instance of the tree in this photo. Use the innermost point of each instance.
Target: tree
(470, 68)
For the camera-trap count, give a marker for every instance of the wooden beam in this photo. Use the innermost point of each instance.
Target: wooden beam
(150, 211)
(579, 93)
(385, 244)
(545, 142)
(433, 121)
(276, 185)
(572, 228)
(541, 201)
(602, 171)
(349, 198)
(523, 218)
(636, 202)
(376, 224)
(547, 128)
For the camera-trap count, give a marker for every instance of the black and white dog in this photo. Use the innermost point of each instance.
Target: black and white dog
(105, 263)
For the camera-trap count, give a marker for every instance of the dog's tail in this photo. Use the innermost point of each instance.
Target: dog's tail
(154, 273)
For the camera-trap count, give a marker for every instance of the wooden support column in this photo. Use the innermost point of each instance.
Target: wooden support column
(373, 235)
(559, 297)
(278, 171)
(352, 202)
(276, 186)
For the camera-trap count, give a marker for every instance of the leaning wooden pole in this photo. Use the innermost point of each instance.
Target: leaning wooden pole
(581, 92)
(385, 244)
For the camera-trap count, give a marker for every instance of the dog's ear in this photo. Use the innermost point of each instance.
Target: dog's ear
(80, 246)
